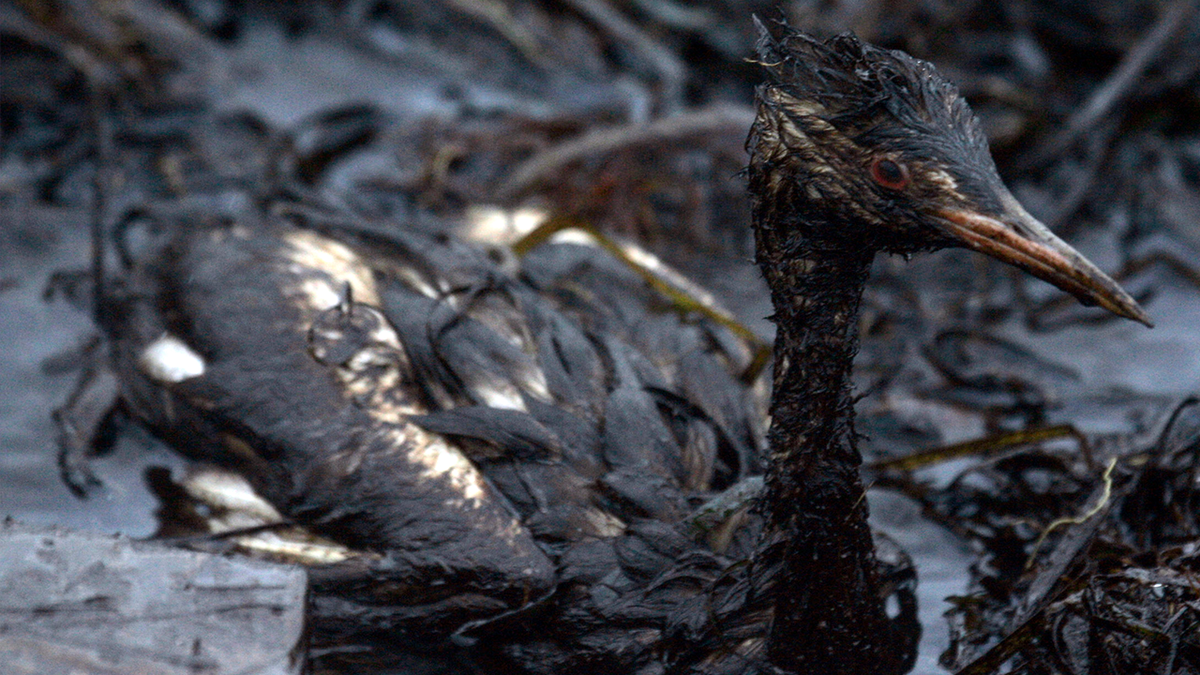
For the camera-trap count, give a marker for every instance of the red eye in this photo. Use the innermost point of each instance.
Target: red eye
(889, 174)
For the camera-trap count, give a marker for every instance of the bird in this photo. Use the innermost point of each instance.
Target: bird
(519, 454)
(855, 151)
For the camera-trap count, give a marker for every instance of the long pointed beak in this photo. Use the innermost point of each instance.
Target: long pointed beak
(1019, 239)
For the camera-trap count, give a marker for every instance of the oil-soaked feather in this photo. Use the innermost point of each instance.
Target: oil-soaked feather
(698, 437)
(574, 374)
(515, 434)
(581, 438)
(644, 494)
(607, 298)
(556, 503)
(650, 547)
(493, 371)
(411, 314)
(635, 436)
(588, 561)
(710, 386)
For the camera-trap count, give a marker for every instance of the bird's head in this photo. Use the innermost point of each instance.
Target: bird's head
(856, 146)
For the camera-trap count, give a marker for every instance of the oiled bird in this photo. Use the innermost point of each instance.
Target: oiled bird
(857, 151)
(478, 438)
(519, 468)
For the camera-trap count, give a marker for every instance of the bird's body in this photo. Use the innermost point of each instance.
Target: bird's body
(486, 438)
(525, 454)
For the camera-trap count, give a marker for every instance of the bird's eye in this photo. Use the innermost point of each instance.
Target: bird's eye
(889, 173)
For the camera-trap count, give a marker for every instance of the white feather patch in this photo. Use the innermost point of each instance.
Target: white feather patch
(169, 360)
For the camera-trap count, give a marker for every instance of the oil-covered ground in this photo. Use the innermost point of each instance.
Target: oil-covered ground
(629, 118)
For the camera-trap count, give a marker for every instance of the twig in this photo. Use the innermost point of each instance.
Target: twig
(499, 18)
(102, 189)
(1100, 505)
(716, 119)
(1119, 83)
(662, 61)
(678, 15)
(1081, 181)
(983, 447)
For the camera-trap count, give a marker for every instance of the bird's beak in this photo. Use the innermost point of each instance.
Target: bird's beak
(1019, 239)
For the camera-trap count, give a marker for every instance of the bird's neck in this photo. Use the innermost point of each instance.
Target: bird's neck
(816, 538)
(816, 294)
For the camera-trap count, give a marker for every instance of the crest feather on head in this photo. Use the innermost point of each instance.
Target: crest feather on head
(856, 82)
